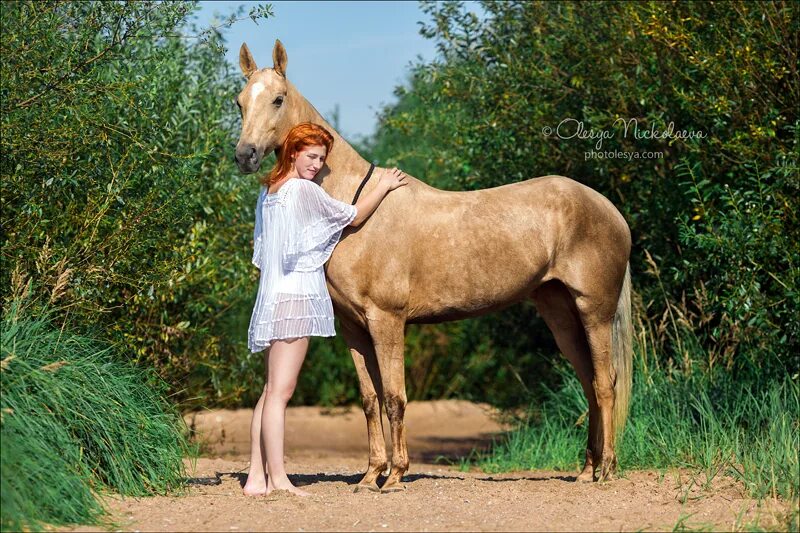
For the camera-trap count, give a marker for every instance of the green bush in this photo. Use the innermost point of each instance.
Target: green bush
(122, 205)
(747, 285)
(77, 422)
(717, 213)
(120, 198)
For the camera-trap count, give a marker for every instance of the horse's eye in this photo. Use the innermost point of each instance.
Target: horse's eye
(278, 101)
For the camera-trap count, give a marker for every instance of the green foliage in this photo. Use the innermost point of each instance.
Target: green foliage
(122, 206)
(748, 284)
(714, 217)
(120, 198)
(715, 208)
(477, 360)
(53, 487)
(76, 422)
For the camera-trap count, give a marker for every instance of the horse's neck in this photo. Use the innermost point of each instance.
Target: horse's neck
(347, 167)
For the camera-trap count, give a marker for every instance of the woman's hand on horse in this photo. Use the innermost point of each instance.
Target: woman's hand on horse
(393, 178)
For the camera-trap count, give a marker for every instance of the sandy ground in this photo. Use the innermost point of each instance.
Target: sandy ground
(327, 452)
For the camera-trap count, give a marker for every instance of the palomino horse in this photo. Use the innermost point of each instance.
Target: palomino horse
(428, 255)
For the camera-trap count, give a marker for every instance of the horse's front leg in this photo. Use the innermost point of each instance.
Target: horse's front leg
(387, 331)
(369, 382)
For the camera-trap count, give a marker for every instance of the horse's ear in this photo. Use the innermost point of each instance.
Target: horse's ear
(279, 58)
(246, 61)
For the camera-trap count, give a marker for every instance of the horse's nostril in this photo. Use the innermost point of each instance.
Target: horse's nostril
(246, 156)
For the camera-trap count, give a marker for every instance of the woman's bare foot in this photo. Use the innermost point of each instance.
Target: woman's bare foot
(255, 486)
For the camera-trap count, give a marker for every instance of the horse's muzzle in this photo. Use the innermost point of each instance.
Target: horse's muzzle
(247, 158)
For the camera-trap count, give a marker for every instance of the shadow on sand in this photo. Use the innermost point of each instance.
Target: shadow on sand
(301, 480)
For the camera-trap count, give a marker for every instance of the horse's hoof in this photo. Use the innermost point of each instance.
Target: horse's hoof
(607, 469)
(587, 476)
(608, 476)
(366, 488)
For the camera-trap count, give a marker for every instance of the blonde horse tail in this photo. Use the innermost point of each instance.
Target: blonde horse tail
(622, 359)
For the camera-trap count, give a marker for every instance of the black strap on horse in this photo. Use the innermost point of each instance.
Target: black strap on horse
(363, 182)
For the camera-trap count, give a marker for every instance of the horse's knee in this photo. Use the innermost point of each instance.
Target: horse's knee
(395, 406)
(369, 402)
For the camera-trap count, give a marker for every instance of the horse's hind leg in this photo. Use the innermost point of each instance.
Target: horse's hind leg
(555, 305)
(598, 333)
(371, 389)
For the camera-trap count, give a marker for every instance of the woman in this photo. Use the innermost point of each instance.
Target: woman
(297, 227)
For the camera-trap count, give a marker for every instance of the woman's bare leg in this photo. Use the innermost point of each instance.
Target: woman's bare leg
(284, 362)
(256, 484)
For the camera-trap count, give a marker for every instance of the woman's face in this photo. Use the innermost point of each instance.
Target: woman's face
(309, 161)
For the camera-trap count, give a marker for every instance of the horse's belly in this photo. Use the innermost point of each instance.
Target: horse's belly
(448, 313)
(455, 284)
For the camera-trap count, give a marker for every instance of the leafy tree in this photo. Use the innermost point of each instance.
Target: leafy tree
(713, 207)
(120, 200)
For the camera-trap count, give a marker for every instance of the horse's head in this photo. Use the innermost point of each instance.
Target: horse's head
(264, 106)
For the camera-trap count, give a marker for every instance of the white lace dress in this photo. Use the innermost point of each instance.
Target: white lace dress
(296, 231)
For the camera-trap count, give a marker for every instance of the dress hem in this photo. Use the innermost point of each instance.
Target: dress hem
(261, 348)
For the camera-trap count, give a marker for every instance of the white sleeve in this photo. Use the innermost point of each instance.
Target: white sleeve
(319, 220)
(259, 229)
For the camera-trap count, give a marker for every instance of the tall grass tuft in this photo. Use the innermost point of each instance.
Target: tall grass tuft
(76, 422)
(697, 421)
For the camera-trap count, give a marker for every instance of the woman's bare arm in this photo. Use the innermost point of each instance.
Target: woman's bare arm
(390, 179)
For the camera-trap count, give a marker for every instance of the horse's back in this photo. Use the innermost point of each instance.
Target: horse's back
(443, 255)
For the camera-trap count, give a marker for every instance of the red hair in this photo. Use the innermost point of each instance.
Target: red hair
(300, 137)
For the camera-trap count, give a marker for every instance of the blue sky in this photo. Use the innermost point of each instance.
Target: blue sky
(350, 54)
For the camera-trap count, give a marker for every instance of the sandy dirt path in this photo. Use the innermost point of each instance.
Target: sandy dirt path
(327, 452)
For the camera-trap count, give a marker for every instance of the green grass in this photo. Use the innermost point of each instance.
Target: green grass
(77, 422)
(715, 426)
